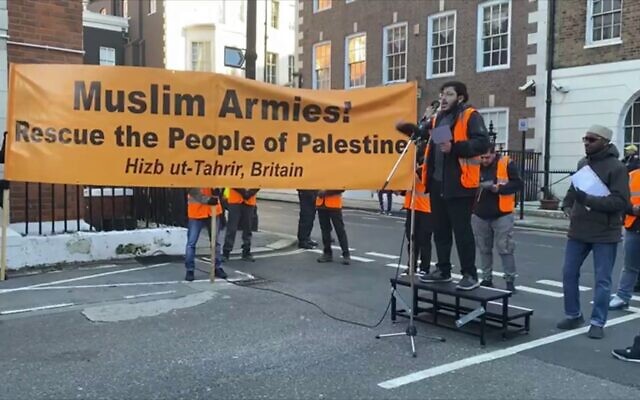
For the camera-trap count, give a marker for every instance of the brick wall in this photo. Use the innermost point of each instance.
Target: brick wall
(372, 16)
(56, 23)
(570, 33)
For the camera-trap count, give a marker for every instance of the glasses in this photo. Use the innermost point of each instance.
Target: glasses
(590, 139)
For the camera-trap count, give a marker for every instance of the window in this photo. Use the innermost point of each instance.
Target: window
(322, 66)
(201, 56)
(604, 22)
(271, 71)
(321, 5)
(107, 56)
(499, 117)
(494, 35)
(349, 1)
(632, 124)
(394, 60)
(275, 13)
(441, 41)
(291, 68)
(222, 9)
(242, 11)
(125, 8)
(153, 7)
(355, 61)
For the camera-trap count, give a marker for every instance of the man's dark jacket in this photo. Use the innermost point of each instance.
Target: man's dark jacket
(599, 219)
(477, 144)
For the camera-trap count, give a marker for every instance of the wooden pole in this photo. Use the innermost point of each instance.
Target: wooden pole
(5, 224)
(214, 239)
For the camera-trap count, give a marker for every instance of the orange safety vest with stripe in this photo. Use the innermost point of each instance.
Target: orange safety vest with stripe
(329, 201)
(469, 167)
(506, 202)
(236, 198)
(634, 188)
(422, 201)
(197, 210)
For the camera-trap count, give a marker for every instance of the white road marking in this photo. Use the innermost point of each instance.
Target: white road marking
(559, 284)
(98, 267)
(24, 310)
(338, 248)
(370, 218)
(539, 291)
(245, 274)
(395, 265)
(81, 278)
(135, 296)
(494, 355)
(382, 255)
(362, 259)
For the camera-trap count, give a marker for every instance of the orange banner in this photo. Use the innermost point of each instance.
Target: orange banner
(128, 126)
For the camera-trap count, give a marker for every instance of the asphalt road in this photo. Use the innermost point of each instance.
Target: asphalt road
(132, 330)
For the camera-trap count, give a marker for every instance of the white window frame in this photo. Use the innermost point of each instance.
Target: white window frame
(479, 40)
(203, 42)
(111, 51)
(153, 7)
(274, 6)
(291, 69)
(589, 42)
(314, 80)
(347, 71)
(316, 4)
(272, 69)
(385, 65)
(628, 111)
(497, 110)
(430, 74)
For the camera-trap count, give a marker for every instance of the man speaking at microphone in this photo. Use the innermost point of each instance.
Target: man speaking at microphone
(451, 176)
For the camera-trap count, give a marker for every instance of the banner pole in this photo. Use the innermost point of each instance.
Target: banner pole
(214, 239)
(5, 224)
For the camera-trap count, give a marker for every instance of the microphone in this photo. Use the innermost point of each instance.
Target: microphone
(435, 105)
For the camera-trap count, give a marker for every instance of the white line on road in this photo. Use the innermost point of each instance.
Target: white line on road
(559, 284)
(539, 291)
(24, 310)
(81, 278)
(362, 259)
(382, 255)
(338, 248)
(135, 296)
(371, 218)
(395, 265)
(97, 267)
(494, 355)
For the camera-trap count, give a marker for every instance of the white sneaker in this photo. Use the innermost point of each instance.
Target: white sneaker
(616, 303)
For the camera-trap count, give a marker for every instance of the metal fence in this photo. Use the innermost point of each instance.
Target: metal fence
(40, 208)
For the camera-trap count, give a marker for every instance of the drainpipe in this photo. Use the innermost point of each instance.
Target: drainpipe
(547, 123)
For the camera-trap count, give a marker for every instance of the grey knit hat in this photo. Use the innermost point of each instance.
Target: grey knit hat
(601, 131)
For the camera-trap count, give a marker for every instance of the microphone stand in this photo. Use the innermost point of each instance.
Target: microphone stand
(411, 330)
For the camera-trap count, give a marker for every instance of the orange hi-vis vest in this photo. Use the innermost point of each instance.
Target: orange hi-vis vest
(469, 167)
(634, 188)
(197, 210)
(236, 198)
(422, 201)
(506, 202)
(329, 201)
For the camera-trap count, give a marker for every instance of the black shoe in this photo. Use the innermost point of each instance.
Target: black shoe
(312, 242)
(346, 260)
(189, 277)
(595, 332)
(305, 245)
(631, 354)
(486, 283)
(436, 276)
(468, 282)
(511, 286)
(248, 257)
(570, 323)
(219, 272)
(325, 258)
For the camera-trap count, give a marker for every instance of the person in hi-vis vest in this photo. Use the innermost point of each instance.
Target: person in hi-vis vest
(241, 206)
(451, 177)
(492, 218)
(423, 227)
(199, 204)
(329, 206)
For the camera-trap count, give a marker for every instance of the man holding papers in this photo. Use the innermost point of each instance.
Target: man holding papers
(595, 203)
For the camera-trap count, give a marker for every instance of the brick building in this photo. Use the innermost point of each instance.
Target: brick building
(490, 45)
(596, 76)
(43, 32)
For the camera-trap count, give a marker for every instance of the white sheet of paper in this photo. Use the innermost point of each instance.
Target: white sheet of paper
(441, 134)
(588, 181)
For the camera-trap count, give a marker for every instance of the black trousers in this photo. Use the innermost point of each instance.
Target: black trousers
(328, 217)
(307, 200)
(240, 217)
(422, 235)
(453, 217)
